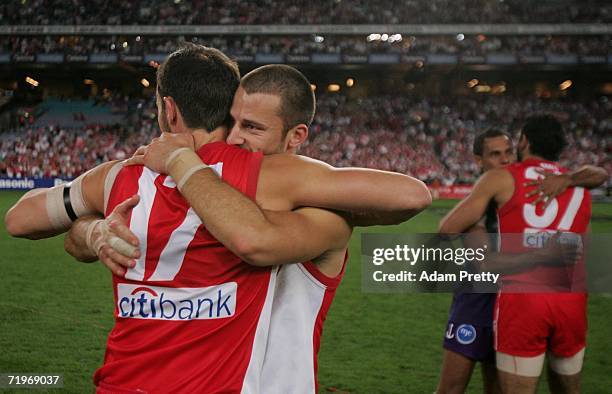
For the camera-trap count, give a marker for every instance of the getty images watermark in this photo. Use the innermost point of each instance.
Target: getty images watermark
(483, 263)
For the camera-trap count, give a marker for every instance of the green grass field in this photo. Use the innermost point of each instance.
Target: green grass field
(55, 314)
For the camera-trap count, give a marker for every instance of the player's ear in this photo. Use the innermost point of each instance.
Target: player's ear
(296, 137)
(478, 160)
(523, 143)
(171, 110)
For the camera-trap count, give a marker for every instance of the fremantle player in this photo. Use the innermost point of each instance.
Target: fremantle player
(187, 294)
(469, 333)
(528, 324)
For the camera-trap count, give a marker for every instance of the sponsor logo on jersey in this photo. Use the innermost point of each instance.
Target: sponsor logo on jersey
(466, 334)
(537, 238)
(168, 303)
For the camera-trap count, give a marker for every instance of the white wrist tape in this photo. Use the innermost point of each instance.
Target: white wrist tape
(106, 237)
(188, 175)
(56, 211)
(94, 246)
(182, 164)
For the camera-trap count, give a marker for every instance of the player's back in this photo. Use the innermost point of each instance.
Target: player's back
(525, 226)
(302, 298)
(190, 314)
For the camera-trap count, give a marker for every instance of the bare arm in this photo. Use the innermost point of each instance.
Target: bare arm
(262, 237)
(588, 176)
(553, 253)
(31, 216)
(494, 184)
(551, 185)
(21, 223)
(290, 181)
(75, 241)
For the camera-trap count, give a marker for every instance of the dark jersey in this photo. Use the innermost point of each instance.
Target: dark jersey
(476, 308)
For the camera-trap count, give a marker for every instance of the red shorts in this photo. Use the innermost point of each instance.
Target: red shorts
(529, 324)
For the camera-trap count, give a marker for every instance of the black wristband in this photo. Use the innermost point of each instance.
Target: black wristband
(68, 203)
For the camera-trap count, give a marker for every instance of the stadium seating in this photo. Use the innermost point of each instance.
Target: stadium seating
(213, 12)
(475, 45)
(428, 138)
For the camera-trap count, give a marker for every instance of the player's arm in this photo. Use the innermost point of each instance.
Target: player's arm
(288, 181)
(470, 210)
(588, 176)
(289, 237)
(270, 239)
(374, 197)
(553, 253)
(551, 185)
(260, 237)
(237, 221)
(75, 242)
(44, 213)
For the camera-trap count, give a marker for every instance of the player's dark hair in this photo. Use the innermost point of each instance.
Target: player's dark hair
(478, 148)
(545, 135)
(293, 88)
(202, 81)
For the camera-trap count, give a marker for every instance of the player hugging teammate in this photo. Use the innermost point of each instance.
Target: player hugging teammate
(530, 316)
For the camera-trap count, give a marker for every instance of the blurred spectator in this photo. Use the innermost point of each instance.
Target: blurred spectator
(428, 138)
(216, 12)
(304, 45)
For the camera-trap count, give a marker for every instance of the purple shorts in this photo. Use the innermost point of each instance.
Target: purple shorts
(472, 341)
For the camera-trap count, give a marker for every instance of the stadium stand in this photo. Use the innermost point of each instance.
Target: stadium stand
(476, 45)
(212, 12)
(429, 138)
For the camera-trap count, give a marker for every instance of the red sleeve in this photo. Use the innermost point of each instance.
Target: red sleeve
(240, 167)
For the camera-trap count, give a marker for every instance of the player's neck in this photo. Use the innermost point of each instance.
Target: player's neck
(202, 137)
(529, 156)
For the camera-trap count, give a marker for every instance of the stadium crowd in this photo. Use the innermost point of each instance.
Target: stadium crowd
(304, 45)
(214, 12)
(429, 138)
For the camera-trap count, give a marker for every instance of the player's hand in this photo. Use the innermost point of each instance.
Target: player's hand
(557, 252)
(113, 242)
(548, 187)
(155, 155)
(138, 156)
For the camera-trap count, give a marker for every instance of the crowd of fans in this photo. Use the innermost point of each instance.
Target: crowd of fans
(304, 45)
(428, 138)
(215, 12)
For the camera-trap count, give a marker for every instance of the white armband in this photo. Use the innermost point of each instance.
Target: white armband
(65, 204)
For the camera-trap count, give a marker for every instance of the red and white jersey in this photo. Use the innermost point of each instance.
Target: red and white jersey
(531, 226)
(302, 298)
(190, 316)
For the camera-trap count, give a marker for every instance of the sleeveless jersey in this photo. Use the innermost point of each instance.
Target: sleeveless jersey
(302, 299)
(531, 226)
(190, 316)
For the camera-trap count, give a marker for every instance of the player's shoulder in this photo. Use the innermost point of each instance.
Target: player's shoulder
(220, 151)
(496, 175)
(289, 158)
(219, 147)
(291, 165)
